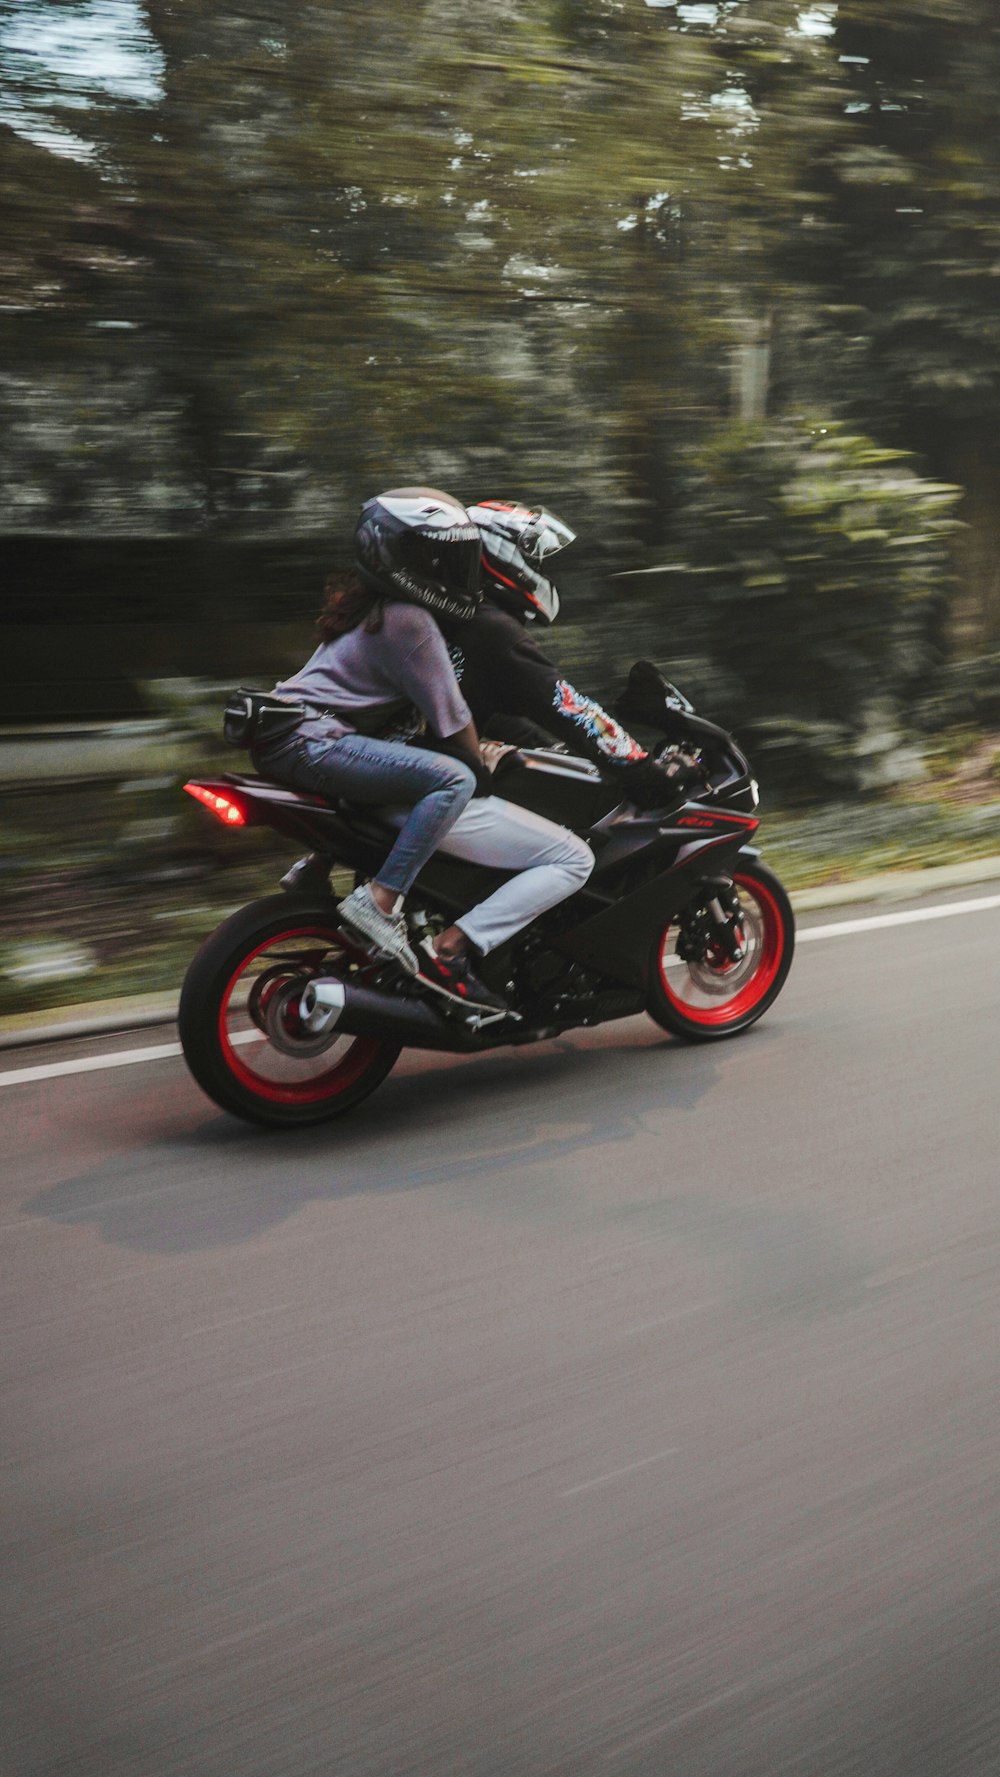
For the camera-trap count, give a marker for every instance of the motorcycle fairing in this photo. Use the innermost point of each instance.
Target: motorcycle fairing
(612, 923)
(618, 939)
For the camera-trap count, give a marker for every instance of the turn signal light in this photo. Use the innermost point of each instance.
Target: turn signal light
(221, 806)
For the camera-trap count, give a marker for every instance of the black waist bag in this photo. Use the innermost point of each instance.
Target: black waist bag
(256, 718)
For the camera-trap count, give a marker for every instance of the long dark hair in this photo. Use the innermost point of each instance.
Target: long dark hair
(347, 601)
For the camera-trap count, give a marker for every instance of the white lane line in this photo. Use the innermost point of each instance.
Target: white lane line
(844, 928)
(91, 1064)
(662, 1320)
(238, 1320)
(615, 1474)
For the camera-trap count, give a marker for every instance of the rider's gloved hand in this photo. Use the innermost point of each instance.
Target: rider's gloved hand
(650, 783)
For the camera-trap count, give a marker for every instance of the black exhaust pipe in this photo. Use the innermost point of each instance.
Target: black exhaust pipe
(340, 1006)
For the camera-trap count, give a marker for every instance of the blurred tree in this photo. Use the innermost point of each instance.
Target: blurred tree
(88, 418)
(915, 189)
(409, 244)
(368, 236)
(817, 562)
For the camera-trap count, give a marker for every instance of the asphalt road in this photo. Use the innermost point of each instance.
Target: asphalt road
(608, 1407)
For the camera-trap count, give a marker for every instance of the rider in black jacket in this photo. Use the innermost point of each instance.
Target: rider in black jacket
(514, 691)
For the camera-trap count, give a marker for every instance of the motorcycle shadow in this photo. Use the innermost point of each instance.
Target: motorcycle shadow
(437, 1122)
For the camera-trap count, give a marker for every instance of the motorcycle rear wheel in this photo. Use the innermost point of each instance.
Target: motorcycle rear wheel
(239, 971)
(713, 996)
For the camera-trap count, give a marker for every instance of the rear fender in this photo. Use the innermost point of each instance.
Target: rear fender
(357, 841)
(308, 820)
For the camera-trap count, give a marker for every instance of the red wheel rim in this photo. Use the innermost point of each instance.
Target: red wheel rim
(753, 986)
(348, 1064)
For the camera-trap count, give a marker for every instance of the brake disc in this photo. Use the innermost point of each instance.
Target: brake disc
(718, 980)
(262, 992)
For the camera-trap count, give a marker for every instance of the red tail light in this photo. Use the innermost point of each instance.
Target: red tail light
(223, 807)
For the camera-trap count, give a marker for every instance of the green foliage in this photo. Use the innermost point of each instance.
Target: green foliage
(812, 563)
(365, 237)
(964, 694)
(919, 201)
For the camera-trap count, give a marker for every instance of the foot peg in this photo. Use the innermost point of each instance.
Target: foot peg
(311, 873)
(485, 1020)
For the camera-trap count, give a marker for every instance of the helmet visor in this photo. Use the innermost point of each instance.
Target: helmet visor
(446, 563)
(544, 535)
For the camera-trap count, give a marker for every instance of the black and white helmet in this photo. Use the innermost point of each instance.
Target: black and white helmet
(420, 545)
(516, 541)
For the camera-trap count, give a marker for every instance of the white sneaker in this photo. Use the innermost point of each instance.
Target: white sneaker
(385, 932)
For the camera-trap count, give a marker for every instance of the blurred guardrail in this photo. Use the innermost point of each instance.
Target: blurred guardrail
(48, 754)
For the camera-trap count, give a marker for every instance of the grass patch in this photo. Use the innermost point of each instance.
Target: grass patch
(847, 842)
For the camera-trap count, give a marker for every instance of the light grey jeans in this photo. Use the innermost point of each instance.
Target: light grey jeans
(552, 864)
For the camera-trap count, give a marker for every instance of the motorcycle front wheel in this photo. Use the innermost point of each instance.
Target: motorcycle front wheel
(710, 994)
(239, 1024)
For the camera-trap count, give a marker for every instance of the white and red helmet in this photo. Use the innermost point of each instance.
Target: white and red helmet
(516, 541)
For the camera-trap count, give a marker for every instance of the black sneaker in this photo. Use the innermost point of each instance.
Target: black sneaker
(454, 976)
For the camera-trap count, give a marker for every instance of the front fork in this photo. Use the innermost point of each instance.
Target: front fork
(714, 925)
(729, 934)
(728, 914)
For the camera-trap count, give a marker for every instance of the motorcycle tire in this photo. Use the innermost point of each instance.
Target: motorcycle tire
(716, 997)
(223, 1018)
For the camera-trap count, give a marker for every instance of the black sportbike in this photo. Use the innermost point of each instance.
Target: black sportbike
(285, 1019)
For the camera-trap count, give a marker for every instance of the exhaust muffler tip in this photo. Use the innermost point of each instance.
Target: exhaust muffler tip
(321, 1005)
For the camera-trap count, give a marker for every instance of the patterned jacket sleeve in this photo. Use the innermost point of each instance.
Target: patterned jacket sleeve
(533, 687)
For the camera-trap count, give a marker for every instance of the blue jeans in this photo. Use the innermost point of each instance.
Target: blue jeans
(359, 768)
